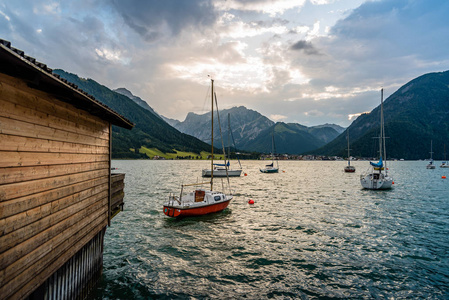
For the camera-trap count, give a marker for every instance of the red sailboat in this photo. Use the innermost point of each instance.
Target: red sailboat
(200, 201)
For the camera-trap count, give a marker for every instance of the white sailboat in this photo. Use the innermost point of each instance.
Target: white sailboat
(430, 165)
(224, 170)
(376, 177)
(200, 201)
(445, 163)
(349, 168)
(271, 168)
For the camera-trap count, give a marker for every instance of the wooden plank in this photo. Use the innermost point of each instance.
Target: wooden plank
(30, 115)
(23, 204)
(47, 271)
(22, 234)
(117, 186)
(19, 159)
(19, 174)
(117, 177)
(25, 129)
(21, 278)
(117, 199)
(29, 144)
(17, 91)
(20, 189)
(15, 222)
(29, 252)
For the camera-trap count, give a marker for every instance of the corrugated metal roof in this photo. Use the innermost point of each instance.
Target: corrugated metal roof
(14, 62)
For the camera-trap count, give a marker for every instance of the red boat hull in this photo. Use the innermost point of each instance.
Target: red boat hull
(197, 211)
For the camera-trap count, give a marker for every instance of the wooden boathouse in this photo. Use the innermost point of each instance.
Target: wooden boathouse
(57, 194)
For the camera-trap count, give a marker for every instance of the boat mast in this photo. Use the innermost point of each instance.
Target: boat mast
(229, 137)
(382, 128)
(431, 151)
(212, 137)
(349, 161)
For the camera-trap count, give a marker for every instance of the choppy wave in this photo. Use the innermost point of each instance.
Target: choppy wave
(312, 233)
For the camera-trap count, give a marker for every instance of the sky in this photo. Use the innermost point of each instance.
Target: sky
(298, 61)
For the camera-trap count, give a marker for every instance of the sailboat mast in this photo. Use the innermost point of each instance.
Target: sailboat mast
(383, 129)
(349, 160)
(229, 137)
(212, 137)
(431, 150)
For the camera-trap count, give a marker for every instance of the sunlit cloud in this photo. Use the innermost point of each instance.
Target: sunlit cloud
(230, 27)
(314, 113)
(270, 7)
(277, 118)
(321, 2)
(355, 116)
(110, 55)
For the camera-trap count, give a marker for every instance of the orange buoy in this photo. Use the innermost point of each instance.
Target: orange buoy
(443, 177)
(251, 201)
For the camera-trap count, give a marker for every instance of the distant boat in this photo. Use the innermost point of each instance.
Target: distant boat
(430, 165)
(223, 170)
(377, 178)
(349, 168)
(445, 163)
(200, 201)
(271, 168)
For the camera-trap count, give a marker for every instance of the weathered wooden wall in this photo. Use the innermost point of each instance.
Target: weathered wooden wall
(54, 184)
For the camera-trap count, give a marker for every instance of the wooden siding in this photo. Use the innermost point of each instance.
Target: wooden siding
(54, 184)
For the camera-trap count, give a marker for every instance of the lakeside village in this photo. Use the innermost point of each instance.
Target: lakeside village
(245, 156)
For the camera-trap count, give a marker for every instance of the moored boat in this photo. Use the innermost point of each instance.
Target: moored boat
(200, 201)
(430, 165)
(224, 170)
(221, 172)
(271, 168)
(377, 178)
(196, 203)
(349, 168)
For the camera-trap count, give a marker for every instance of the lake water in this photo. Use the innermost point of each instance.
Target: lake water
(312, 233)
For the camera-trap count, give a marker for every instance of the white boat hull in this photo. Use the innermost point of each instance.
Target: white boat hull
(376, 181)
(430, 166)
(221, 173)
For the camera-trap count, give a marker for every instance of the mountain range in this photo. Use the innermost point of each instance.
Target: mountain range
(416, 114)
(252, 131)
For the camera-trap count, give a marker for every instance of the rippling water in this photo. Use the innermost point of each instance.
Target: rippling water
(312, 233)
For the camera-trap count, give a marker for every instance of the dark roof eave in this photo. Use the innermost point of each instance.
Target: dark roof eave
(15, 63)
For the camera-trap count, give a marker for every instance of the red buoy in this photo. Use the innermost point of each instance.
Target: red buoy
(251, 201)
(245, 174)
(392, 182)
(444, 177)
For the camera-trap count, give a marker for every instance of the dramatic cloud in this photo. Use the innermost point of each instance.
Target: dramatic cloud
(311, 62)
